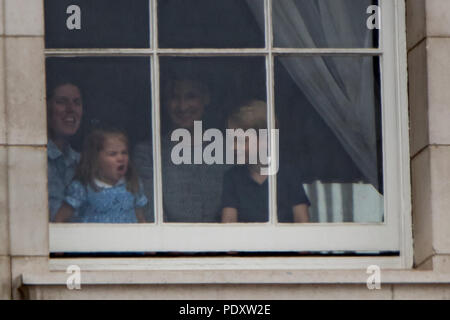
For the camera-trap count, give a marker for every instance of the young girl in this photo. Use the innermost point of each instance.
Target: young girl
(105, 188)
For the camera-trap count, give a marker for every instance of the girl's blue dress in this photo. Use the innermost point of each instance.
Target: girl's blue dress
(110, 204)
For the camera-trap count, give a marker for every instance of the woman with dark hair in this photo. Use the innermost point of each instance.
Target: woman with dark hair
(64, 113)
(191, 193)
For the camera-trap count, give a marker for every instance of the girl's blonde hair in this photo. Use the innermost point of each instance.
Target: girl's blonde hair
(88, 169)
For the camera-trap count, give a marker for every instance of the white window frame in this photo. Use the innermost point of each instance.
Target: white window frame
(394, 234)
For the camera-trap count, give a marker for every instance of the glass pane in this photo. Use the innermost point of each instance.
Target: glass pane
(97, 24)
(324, 24)
(99, 109)
(210, 24)
(198, 97)
(329, 113)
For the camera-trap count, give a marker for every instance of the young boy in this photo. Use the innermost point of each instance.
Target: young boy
(245, 188)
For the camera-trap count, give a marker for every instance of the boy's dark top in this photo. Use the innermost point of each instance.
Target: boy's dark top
(251, 199)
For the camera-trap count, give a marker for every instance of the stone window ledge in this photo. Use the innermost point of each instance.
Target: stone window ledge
(59, 278)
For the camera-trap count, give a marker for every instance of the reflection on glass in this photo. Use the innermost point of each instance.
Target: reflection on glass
(98, 108)
(97, 24)
(330, 115)
(198, 94)
(323, 24)
(210, 24)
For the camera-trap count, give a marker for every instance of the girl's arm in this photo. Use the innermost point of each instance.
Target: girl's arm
(64, 213)
(140, 216)
(229, 215)
(301, 214)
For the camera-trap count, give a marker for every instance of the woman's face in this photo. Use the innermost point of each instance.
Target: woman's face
(65, 111)
(186, 104)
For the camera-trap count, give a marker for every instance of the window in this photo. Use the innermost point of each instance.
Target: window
(177, 77)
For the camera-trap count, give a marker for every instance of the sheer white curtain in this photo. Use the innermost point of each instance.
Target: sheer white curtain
(341, 89)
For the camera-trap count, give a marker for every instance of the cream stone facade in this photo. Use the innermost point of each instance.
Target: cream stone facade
(27, 272)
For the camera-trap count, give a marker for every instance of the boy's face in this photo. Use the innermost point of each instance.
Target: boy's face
(246, 145)
(113, 160)
(187, 104)
(65, 110)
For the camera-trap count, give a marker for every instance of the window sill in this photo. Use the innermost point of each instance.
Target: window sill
(226, 270)
(223, 263)
(311, 277)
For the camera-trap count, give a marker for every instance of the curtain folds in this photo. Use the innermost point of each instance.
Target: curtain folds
(340, 88)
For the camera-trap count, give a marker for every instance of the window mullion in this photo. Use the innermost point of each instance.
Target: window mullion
(271, 110)
(152, 18)
(156, 124)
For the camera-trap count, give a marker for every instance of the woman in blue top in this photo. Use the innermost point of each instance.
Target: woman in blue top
(105, 188)
(64, 113)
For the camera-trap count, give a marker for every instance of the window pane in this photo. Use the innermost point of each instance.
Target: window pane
(97, 24)
(324, 24)
(330, 131)
(210, 24)
(89, 100)
(206, 90)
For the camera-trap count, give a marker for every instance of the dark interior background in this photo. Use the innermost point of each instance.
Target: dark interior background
(208, 24)
(104, 24)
